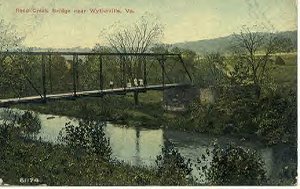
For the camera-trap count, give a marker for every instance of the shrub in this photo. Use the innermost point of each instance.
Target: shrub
(234, 165)
(88, 136)
(30, 124)
(277, 120)
(173, 169)
(4, 134)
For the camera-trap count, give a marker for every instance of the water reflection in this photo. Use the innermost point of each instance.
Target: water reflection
(138, 146)
(135, 146)
(51, 127)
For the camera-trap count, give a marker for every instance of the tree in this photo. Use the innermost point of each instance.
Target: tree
(253, 58)
(173, 66)
(161, 48)
(88, 136)
(233, 165)
(213, 65)
(61, 76)
(277, 118)
(136, 38)
(30, 124)
(173, 168)
(9, 38)
(285, 45)
(189, 58)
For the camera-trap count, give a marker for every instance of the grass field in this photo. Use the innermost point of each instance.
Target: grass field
(286, 75)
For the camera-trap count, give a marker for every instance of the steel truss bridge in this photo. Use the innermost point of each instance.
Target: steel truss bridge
(43, 89)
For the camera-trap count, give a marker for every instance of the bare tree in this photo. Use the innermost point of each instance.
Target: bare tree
(254, 52)
(136, 38)
(9, 39)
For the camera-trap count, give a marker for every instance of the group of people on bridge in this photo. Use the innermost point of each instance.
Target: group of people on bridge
(136, 83)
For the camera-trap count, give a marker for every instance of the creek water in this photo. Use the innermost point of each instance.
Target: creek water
(140, 146)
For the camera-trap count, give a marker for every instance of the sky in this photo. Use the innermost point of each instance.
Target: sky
(183, 20)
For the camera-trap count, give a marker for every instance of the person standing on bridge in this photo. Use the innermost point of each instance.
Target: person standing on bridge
(129, 84)
(135, 82)
(141, 82)
(111, 84)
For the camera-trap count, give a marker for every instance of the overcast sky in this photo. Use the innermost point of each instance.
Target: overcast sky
(184, 20)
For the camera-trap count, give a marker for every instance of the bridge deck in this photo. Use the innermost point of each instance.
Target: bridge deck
(93, 93)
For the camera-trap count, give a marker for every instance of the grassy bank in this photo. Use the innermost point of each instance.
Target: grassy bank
(58, 165)
(80, 160)
(149, 113)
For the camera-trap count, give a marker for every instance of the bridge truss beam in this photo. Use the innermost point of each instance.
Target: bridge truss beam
(161, 58)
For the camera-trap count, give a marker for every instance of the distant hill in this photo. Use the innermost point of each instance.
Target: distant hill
(73, 49)
(224, 44)
(221, 44)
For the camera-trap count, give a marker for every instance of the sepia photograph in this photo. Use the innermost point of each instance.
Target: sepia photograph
(148, 93)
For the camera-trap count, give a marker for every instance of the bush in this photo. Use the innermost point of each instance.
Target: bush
(228, 115)
(234, 165)
(4, 135)
(88, 136)
(277, 119)
(173, 169)
(30, 124)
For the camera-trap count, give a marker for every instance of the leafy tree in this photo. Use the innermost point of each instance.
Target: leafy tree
(90, 67)
(5, 129)
(30, 124)
(173, 169)
(87, 137)
(213, 69)
(161, 48)
(277, 118)
(9, 40)
(234, 165)
(61, 74)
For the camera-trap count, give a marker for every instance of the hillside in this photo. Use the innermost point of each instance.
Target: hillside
(224, 44)
(221, 44)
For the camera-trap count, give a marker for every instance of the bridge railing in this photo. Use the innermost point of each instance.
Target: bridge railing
(42, 73)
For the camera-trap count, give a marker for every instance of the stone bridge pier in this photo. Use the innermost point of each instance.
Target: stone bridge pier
(177, 99)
